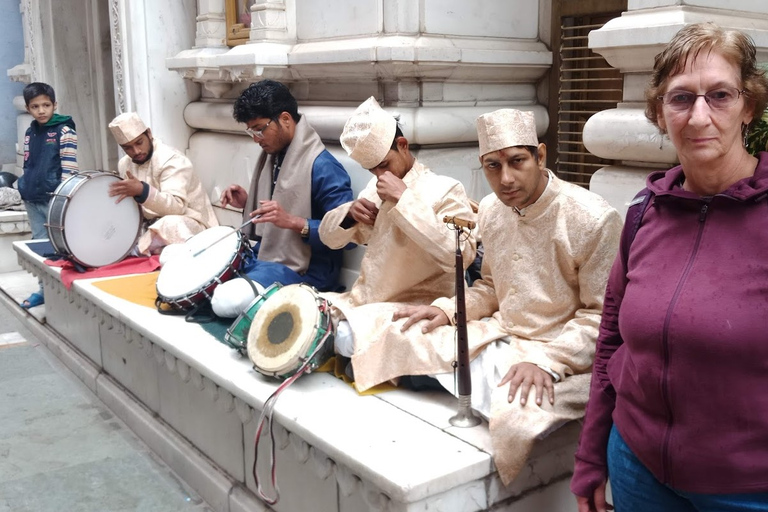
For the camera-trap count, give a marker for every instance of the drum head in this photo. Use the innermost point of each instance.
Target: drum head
(185, 274)
(283, 330)
(97, 231)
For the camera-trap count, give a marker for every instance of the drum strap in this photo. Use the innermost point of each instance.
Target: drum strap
(266, 418)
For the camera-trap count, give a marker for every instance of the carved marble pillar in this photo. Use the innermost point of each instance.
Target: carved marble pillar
(29, 70)
(143, 32)
(269, 22)
(630, 44)
(120, 64)
(211, 24)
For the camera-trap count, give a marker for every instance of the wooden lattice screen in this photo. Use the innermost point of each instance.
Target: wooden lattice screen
(587, 86)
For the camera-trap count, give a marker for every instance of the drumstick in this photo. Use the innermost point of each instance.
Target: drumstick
(200, 251)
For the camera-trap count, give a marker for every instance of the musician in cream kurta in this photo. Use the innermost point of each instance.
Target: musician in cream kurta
(411, 253)
(533, 317)
(161, 179)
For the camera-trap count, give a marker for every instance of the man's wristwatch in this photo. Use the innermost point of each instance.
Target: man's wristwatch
(305, 229)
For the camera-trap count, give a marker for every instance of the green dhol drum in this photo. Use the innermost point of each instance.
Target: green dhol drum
(237, 334)
(292, 330)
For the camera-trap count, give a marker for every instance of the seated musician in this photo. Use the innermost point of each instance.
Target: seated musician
(161, 179)
(533, 316)
(410, 256)
(296, 181)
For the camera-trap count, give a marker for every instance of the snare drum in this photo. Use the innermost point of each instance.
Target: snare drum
(86, 225)
(237, 334)
(189, 278)
(292, 327)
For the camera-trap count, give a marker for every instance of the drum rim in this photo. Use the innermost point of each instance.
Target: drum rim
(268, 292)
(231, 266)
(84, 176)
(317, 324)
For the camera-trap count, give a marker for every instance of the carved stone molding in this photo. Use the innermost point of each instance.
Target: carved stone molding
(117, 56)
(211, 30)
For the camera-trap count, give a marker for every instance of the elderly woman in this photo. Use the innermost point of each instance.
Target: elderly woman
(678, 410)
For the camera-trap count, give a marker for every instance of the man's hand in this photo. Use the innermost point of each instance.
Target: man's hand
(272, 212)
(234, 195)
(390, 187)
(596, 503)
(522, 375)
(435, 315)
(363, 211)
(128, 187)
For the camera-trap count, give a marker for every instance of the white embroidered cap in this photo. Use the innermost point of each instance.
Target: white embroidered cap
(506, 128)
(126, 127)
(368, 134)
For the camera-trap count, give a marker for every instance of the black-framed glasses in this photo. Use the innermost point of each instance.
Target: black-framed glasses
(682, 101)
(259, 134)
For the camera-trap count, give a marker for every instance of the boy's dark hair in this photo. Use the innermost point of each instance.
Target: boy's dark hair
(265, 99)
(398, 134)
(36, 89)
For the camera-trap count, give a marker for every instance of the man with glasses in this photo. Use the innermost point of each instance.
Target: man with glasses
(296, 181)
(161, 179)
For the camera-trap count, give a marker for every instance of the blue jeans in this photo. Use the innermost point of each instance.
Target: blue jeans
(267, 272)
(635, 489)
(37, 214)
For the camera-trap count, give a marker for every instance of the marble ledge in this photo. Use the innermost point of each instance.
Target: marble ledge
(618, 41)
(14, 227)
(365, 58)
(392, 435)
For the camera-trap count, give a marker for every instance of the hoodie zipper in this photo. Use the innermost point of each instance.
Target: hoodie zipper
(666, 462)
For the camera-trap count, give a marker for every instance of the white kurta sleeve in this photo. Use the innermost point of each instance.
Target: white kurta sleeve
(334, 235)
(423, 223)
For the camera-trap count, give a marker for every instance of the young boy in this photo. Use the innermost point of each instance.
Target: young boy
(50, 147)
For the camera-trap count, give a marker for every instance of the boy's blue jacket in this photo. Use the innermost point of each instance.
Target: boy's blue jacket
(42, 160)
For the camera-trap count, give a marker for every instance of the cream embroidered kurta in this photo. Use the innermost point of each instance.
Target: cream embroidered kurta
(177, 206)
(411, 253)
(544, 276)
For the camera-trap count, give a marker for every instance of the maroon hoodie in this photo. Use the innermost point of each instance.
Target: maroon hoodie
(681, 366)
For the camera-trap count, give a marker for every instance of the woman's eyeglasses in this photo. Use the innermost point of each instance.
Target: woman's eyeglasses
(682, 101)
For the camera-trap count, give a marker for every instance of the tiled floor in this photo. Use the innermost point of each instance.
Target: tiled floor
(62, 449)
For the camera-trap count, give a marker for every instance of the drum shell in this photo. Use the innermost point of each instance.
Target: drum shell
(242, 323)
(191, 299)
(58, 209)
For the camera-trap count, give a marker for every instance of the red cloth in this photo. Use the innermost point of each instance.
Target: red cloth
(130, 265)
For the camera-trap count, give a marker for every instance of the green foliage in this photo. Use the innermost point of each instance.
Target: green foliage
(757, 139)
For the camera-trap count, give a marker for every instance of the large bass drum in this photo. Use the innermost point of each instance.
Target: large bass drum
(86, 225)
